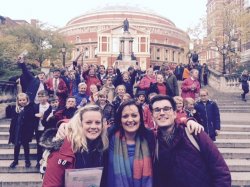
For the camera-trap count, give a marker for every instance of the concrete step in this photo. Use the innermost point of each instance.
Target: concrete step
(233, 143)
(235, 153)
(240, 179)
(8, 154)
(234, 135)
(20, 168)
(4, 128)
(20, 180)
(4, 135)
(234, 111)
(238, 164)
(235, 127)
(4, 144)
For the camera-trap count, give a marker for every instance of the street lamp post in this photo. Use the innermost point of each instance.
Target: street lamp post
(224, 52)
(63, 54)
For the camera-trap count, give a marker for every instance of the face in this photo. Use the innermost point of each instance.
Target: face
(120, 91)
(56, 74)
(195, 74)
(125, 98)
(150, 72)
(163, 113)
(41, 76)
(125, 77)
(22, 101)
(54, 104)
(203, 96)
(109, 81)
(141, 98)
(190, 106)
(110, 70)
(91, 72)
(92, 124)
(72, 75)
(93, 89)
(71, 103)
(102, 70)
(82, 89)
(102, 99)
(42, 99)
(159, 79)
(179, 105)
(130, 119)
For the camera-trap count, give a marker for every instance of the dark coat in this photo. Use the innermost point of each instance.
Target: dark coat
(22, 125)
(108, 111)
(32, 85)
(55, 172)
(182, 165)
(244, 81)
(51, 122)
(153, 88)
(208, 116)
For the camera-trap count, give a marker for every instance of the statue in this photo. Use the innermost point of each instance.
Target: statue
(125, 25)
(195, 57)
(133, 56)
(120, 56)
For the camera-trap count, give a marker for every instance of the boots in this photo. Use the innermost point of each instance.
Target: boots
(27, 164)
(243, 97)
(13, 164)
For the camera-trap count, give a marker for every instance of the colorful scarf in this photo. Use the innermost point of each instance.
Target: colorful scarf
(119, 167)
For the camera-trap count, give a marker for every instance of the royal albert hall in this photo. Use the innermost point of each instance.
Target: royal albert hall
(98, 37)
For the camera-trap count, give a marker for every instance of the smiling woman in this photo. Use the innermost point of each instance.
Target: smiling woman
(84, 146)
(131, 149)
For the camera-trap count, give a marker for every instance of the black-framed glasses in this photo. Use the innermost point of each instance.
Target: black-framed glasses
(165, 109)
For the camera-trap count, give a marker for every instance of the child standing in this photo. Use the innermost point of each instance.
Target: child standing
(22, 128)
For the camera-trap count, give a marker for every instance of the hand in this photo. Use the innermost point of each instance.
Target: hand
(194, 127)
(39, 115)
(62, 131)
(217, 132)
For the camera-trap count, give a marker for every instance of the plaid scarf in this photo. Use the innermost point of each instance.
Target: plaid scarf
(121, 169)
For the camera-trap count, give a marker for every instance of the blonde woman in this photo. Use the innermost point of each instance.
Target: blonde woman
(83, 147)
(22, 128)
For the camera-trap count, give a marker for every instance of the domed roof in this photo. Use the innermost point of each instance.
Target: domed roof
(121, 8)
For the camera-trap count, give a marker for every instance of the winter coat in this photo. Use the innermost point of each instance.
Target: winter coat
(244, 82)
(51, 122)
(182, 165)
(208, 117)
(79, 97)
(187, 91)
(108, 111)
(62, 91)
(55, 170)
(154, 88)
(33, 83)
(23, 125)
(146, 81)
(172, 82)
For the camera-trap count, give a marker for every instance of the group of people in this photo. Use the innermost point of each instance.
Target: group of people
(134, 125)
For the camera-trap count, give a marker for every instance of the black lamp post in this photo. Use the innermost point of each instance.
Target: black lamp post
(224, 52)
(64, 54)
(189, 57)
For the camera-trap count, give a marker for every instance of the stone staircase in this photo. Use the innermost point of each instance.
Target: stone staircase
(19, 176)
(233, 142)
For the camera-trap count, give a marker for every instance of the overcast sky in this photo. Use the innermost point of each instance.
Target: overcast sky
(184, 13)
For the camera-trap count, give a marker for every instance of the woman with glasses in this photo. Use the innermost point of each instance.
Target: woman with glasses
(83, 147)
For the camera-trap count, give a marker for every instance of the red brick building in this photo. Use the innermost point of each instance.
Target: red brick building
(98, 35)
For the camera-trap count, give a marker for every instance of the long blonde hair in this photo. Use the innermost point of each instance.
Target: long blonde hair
(75, 129)
(21, 95)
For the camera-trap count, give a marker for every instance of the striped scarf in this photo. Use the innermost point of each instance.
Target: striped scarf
(121, 169)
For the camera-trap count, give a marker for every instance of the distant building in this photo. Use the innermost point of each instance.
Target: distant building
(99, 36)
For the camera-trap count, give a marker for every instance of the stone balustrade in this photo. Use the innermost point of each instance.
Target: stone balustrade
(224, 83)
(8, 91)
